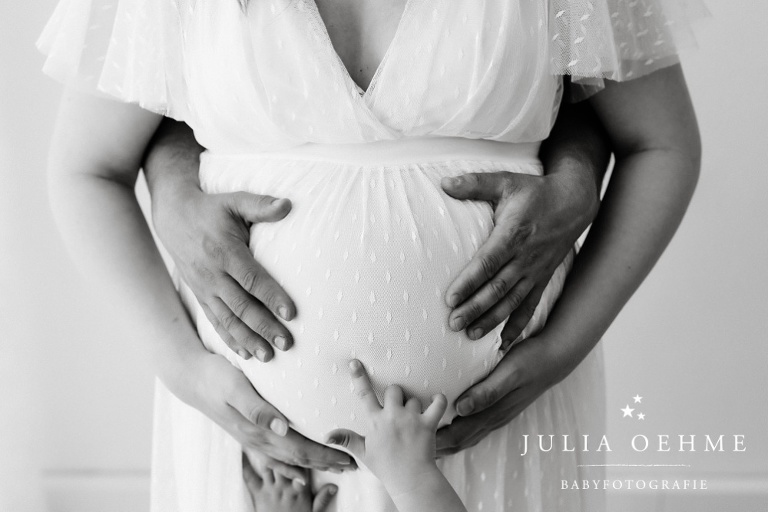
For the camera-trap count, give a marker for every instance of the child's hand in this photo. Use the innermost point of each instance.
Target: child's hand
(401, 439)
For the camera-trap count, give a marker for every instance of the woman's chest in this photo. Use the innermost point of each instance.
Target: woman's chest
(295, 71)
(361, 33)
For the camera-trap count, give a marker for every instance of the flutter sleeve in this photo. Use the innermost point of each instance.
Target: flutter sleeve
(130, 50)
(594, 40)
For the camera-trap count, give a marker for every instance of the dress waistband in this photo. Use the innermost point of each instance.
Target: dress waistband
(401, 151)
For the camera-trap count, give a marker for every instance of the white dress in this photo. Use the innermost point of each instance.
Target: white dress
(372, 241)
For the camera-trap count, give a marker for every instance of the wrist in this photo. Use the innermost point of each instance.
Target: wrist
(174, 359)
(575, 191)
(407, 478)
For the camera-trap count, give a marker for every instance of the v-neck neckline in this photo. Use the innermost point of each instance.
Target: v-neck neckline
(363, 94)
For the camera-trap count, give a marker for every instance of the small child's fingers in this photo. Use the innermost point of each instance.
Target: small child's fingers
(363, 389)
(295, 473)
(252, 480)
(436, 409)
(324, 497)
(349, 439)
(393, 396)
(413, 405)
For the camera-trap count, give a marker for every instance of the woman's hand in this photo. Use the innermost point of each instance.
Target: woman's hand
(525, 373)
(210, 384)
(537, 220)
(207, 236)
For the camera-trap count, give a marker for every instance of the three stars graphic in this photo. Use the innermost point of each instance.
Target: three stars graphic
(627, 410)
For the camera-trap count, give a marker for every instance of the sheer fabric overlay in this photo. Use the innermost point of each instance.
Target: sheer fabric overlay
(152, 52)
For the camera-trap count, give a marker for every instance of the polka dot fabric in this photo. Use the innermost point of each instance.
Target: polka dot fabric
(372, 241)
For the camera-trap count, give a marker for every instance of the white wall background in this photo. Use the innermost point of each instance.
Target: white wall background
(75, 398)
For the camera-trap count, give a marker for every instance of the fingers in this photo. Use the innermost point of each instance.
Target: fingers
(254, 279)
(501, 309)
(252, 480)
(255, 409)
(235, 333)
(519, 318)
(413, 405)
(505, 289)
(295, 473)
(485, 263)
(257, 208)
(502, 380)
(349, 439)
(300, 451)
(363, 389)
(260, 322)
(324, 497)
(436, 409)
(393, 396)
(483, 186)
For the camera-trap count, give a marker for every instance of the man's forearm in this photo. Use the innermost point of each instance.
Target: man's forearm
(172, 160)
(578, 149)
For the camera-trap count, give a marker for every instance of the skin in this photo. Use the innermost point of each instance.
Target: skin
(400, 446)
(274, 492)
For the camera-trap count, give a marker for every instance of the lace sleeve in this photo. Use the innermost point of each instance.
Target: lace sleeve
(128, 50)
(594, 40)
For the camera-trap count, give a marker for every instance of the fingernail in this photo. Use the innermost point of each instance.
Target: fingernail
(455, 181)
(283, 312)
(332, 491)
(453, 300)
(278, 426)
(301, 481)
(476, 333)
(280, 342)
(275, 201)
(458, 323)
(261, 354)
(354, 364)
(242, 353)
(345, 462)
(465, 406)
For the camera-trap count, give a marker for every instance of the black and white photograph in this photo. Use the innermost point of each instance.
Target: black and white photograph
(383, 256)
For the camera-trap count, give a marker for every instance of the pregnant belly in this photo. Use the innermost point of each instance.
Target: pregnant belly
(366, 254)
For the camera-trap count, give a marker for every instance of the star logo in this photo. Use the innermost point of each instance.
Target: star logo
(627, 411)
(640, 416)
(637, 399)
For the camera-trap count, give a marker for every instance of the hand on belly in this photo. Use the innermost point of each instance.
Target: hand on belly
(367, 270)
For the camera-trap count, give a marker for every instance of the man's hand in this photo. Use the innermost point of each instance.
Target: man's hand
(537, 220)
(207, 236)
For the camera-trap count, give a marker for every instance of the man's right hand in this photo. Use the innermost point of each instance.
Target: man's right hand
(207, 236)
